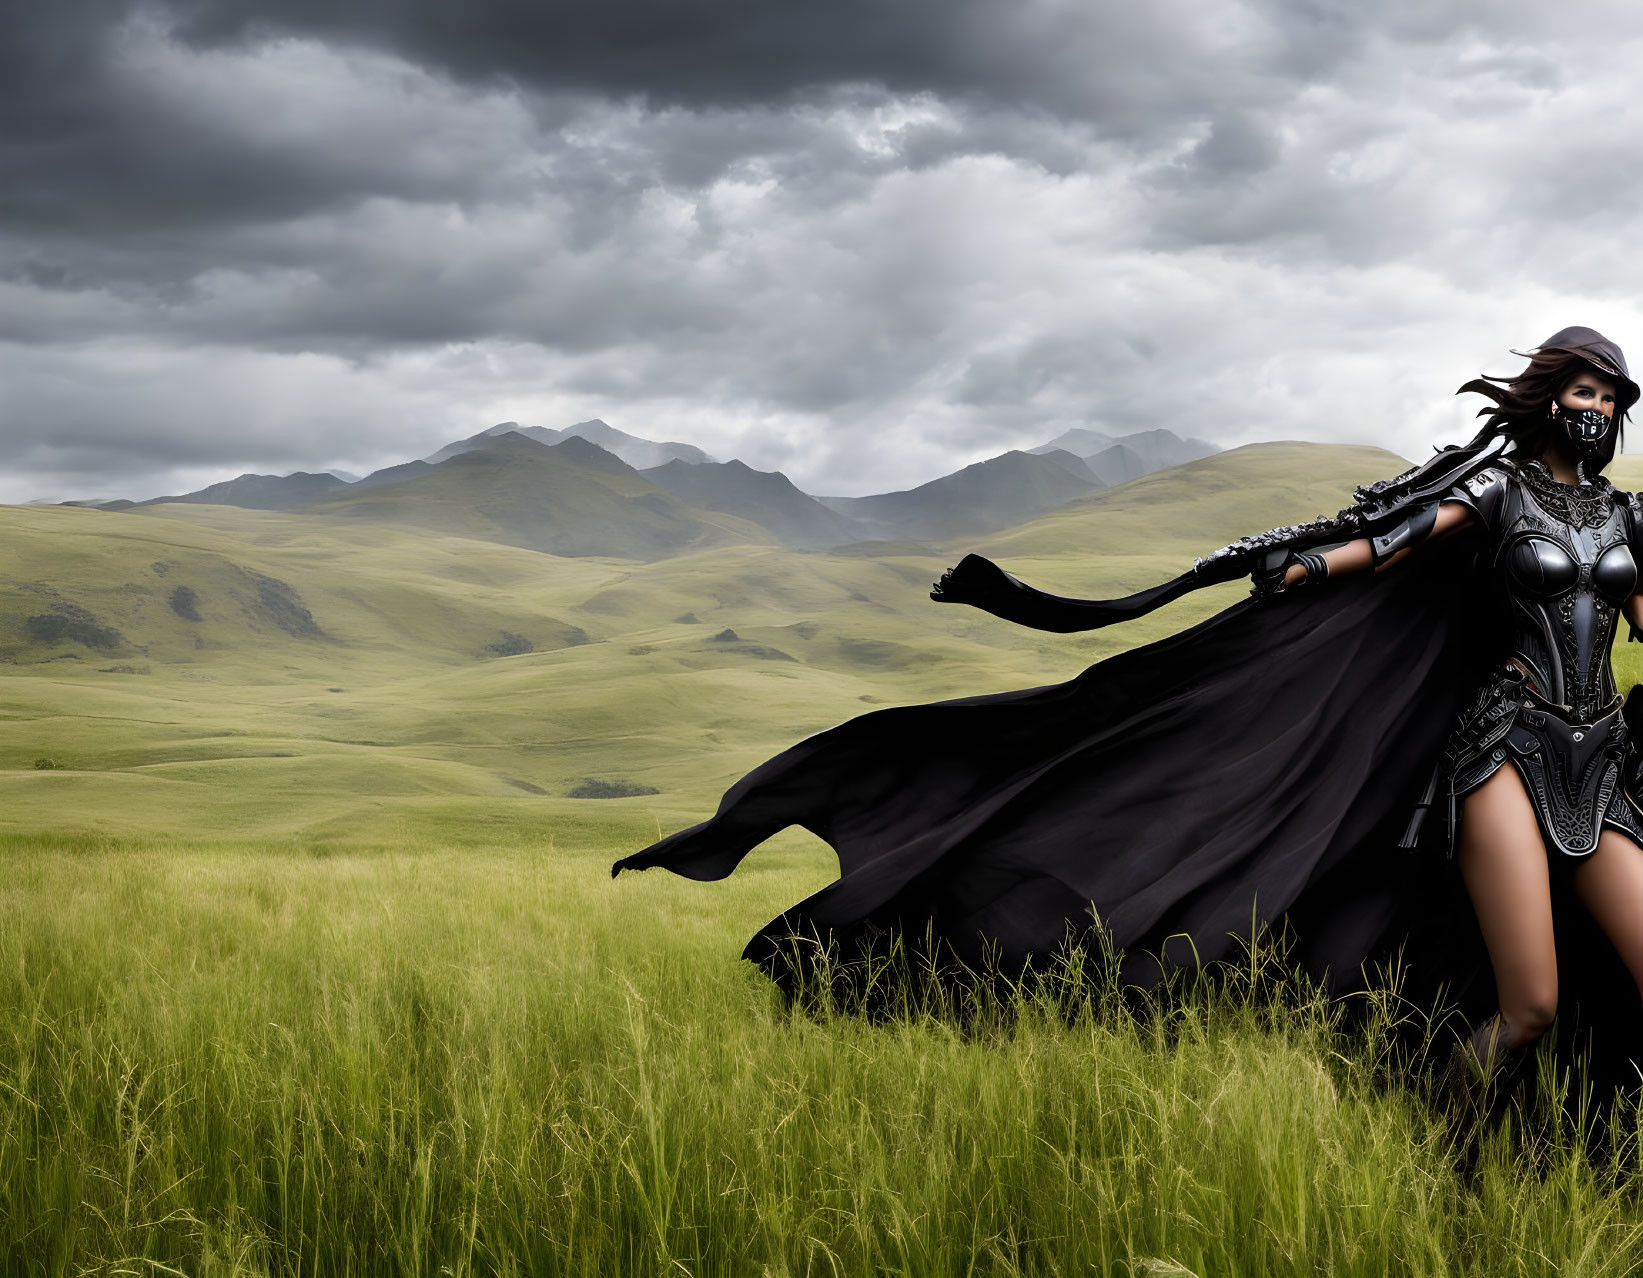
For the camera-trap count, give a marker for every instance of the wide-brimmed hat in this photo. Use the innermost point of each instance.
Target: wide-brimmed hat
(1599, 352)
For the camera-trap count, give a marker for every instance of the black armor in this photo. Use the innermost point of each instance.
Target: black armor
(1562, 558)
(1406, 532)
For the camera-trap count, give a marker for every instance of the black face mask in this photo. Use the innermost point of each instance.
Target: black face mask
(1590, 435)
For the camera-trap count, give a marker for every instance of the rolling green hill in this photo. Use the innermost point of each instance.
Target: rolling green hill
(312, 962)
(330, 677)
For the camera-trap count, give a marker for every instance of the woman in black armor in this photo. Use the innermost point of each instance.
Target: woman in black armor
(1561, 551)
(1278, 761)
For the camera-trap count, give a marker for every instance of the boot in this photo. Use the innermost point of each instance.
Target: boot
(1476, 1085)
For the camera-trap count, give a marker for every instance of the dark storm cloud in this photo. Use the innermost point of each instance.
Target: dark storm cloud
(1114, 62)
(866, 241)
(91, 141)
(1136, 68)
(94, 143)
(111, 133)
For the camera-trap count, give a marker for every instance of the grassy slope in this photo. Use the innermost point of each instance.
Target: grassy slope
(301, 980)
(238, 726)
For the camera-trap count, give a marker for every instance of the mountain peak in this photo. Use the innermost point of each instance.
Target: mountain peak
(636, 452)
(1007, 489)
(642, 453)
(584, 452)
(1115, 459)
(259, 492)
(768, 498)
(1080, 441)
(511, 441)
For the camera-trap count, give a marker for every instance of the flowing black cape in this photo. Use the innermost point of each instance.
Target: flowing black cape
(1259, 766)
(1186, 787)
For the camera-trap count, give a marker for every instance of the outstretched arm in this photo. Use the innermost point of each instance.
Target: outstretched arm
(1356, 556)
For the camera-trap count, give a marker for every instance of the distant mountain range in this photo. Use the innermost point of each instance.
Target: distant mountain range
(989, 495)
(591, 489)
(1117, 460)
(642, 453)
(253, 492)
(570, 498)
(768, 498)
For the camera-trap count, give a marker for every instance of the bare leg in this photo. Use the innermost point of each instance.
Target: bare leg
(1503, 861)
(1610, 884)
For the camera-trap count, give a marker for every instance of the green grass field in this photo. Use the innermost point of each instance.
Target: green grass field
(312, 967)
(419, 1059)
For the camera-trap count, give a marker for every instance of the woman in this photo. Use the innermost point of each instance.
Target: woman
(1270, 762)
(1564, 556)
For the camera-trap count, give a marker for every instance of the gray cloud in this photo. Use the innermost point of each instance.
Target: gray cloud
(863, 242)
(1123, 64)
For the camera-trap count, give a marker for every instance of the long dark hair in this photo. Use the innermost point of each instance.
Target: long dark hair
(1517, 424)
(1521, 408)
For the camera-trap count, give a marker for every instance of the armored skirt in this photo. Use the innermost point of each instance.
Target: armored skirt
(1258, 768)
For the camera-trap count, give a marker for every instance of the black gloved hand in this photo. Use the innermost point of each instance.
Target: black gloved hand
(1267, 577)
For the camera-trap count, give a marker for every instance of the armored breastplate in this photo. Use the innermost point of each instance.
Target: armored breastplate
(1565, 569)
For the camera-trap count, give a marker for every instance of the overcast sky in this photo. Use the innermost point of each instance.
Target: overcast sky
(864, 242)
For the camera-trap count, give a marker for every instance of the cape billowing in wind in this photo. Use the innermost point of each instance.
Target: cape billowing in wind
(1257, 767)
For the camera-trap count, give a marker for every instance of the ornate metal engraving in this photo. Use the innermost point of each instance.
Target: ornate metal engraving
(1581, 505)
(1561, 729)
